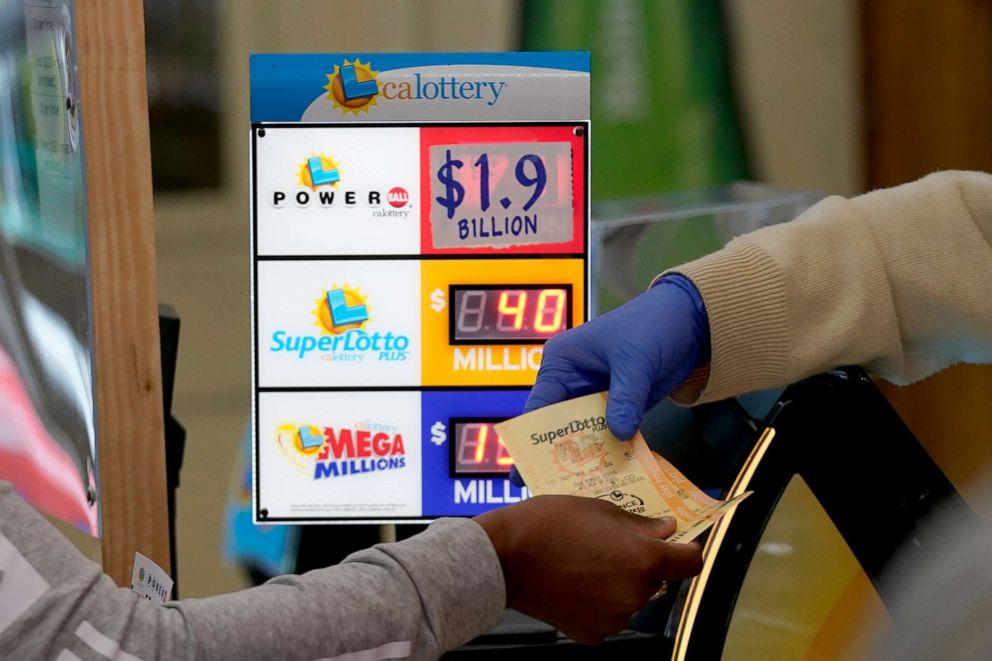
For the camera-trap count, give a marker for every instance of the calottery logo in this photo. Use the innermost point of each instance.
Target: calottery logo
(343, 316)
(332, 452)
(353, 86)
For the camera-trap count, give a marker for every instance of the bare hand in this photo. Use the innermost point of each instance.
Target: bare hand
(582, 564)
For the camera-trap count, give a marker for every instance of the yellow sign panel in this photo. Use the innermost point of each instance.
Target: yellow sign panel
(484, 319)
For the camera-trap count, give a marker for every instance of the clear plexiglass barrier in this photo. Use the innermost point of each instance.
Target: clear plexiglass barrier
(635, 239)
(47, 426)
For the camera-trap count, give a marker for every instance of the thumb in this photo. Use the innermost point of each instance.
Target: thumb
(657, 528)
(629, 390)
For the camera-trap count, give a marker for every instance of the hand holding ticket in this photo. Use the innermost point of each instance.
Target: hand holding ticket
(567, 449)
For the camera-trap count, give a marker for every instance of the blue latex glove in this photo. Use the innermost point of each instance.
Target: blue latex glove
(640, 352)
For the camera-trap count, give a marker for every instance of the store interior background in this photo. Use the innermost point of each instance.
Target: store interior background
(800, 70)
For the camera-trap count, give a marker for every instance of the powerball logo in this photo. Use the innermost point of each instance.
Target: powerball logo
(354, 87)
(318, 182)
(342, 314)
(330, 452)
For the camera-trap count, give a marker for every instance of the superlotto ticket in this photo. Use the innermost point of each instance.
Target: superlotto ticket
(567, 449)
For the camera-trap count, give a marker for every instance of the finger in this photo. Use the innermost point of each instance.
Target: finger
(675, 561)
(630, 386)
(546, 391)
(516, 478)
(606, 624)
(617, 622)
(585, 636)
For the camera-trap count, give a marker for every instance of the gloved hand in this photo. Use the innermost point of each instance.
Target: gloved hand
(641, 352)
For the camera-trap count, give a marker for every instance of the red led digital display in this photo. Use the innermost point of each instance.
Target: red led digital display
(478, 449)
(511, 314)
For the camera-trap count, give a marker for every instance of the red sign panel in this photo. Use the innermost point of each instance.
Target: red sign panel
(503, 189)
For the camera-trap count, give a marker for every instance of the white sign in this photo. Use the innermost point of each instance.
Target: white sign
(339, 454)
(339, 323)
(338, 191)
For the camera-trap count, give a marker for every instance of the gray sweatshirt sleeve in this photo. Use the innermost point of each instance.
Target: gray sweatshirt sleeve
(413, 599)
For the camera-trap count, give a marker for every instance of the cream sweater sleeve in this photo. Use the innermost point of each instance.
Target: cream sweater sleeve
(897, 280)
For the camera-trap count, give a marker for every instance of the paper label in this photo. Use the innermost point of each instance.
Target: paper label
(501, 194)
(149, 581)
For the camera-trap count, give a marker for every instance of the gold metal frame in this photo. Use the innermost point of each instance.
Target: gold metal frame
(698, 586)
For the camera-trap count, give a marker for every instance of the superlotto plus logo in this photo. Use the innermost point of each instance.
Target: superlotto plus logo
(319, 185)
(355, 87)
(334, 452)
(343, 317)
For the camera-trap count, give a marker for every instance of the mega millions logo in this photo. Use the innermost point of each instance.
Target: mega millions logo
(353, 87)
(333, 452)
(342, 314)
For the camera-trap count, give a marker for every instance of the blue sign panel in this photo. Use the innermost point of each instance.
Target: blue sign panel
(451, 421)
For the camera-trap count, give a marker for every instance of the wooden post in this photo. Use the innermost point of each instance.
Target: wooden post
(927, 71)
(128, 380)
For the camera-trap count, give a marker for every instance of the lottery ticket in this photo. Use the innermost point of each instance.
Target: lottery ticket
(567, 449)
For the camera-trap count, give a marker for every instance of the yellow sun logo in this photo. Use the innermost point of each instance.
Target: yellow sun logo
(300, 444)
(353, 87)
(341, 309)
(319, 170)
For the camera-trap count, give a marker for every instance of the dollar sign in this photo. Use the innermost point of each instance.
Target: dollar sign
(454, 192)
(438, 433)
(437, 300)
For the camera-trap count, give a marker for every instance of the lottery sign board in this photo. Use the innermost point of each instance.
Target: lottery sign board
(420, 228)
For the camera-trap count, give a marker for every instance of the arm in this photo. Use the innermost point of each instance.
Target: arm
(416, 598)
(897, 280)
(581, 564)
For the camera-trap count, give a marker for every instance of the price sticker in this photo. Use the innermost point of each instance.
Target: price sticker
(501, 195)
(149, 581)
